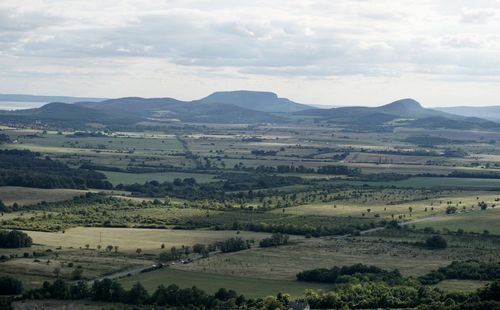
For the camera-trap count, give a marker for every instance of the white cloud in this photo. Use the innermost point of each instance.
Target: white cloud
(229, 43)
(477, 16)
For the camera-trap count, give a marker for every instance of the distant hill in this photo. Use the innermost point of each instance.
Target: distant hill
(404, 112)
(47, 99)
(67, 115)
(490, 113)
(190, 111)
(255, 100)
(242, 107)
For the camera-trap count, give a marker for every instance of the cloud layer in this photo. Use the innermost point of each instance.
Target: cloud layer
(183, 48)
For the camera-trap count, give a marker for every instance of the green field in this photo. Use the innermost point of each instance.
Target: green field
(461, 285)
(435, 182)
(248, 286)
(476, 222)
(130, 178)
(129, 239)
(28, 196)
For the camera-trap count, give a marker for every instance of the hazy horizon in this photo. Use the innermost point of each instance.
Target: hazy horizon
(342, 53)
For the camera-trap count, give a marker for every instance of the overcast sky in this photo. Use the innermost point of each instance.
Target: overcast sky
(341, 52)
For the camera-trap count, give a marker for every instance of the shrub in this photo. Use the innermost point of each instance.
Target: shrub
(436, 242)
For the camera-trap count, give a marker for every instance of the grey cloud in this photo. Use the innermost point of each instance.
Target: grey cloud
(286, 45)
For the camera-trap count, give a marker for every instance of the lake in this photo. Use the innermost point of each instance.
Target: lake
(19, 105)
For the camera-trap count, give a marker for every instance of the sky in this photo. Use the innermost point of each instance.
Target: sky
(342, 52)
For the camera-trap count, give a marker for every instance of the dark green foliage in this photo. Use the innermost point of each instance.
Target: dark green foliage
(25, 168)
(275, 240)
(3, 207)
(107, 290)
(317, 230)
(111, 291)
(189, 189)
(364, 295)
(351, 274)
(464, 270)
(436, 242)
(10, 286)
(138, 295)
(4, 138)
(491, 291)
(14, 239)
(264, 153)
(233, 245)
(474, 174)
(339, 170)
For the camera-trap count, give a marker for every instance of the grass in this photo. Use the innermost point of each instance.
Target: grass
(129, 239)
(466, 286)
(285, 262)
(470, 222)
(130, 178)
(250, 287)
(434, 182)
(28, 196)
(33, 271)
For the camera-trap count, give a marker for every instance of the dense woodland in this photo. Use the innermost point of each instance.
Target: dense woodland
(25, 168)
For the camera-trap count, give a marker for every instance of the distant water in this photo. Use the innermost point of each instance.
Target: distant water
(19, 105)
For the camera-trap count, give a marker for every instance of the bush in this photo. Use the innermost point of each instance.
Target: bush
(14, 239)
(275, 240)
(10, 286)
(436, 242)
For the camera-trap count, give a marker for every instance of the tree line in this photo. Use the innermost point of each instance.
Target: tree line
(364, 295)
(14, 239)
(352, 274)
(464, 270)
(172, 296)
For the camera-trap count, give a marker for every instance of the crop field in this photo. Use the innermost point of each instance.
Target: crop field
(28, 196)
(251, 287)
(129, 239)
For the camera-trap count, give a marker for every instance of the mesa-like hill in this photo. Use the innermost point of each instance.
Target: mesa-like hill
(255, 100)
